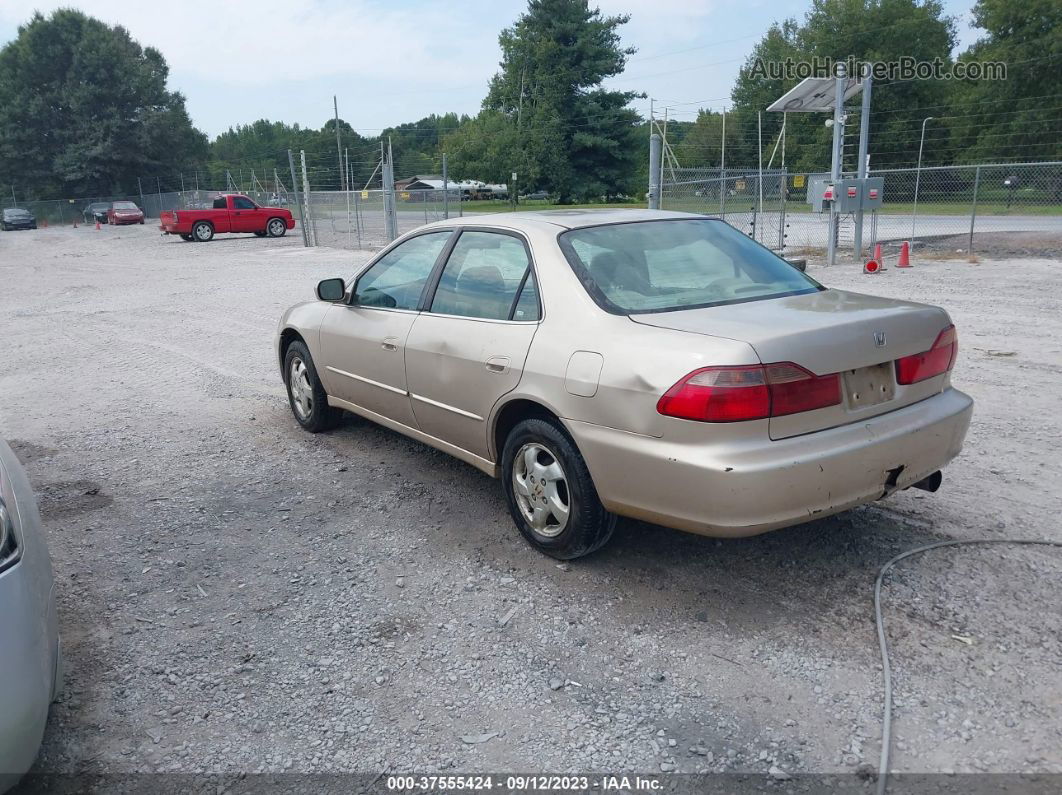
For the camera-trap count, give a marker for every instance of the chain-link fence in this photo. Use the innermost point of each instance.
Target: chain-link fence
(358, 218)
(918, 204)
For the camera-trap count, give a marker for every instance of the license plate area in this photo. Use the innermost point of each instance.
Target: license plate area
(869, 386)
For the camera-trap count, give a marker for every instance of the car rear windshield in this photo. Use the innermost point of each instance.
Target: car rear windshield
(658, 266)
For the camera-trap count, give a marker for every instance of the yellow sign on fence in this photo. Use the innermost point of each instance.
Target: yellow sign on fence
(404, 195)
(364, 194)
(739, 184)
(798, 180)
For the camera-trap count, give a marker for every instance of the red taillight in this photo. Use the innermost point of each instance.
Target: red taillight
(735, 394)
(794, 389)
(937, 360)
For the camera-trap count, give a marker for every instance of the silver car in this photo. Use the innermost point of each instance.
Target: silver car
(31, 668)
(649, 364)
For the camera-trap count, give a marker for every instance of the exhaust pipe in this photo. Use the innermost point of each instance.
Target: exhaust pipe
(930, 483)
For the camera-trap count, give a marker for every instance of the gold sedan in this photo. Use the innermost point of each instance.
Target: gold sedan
(649, 364)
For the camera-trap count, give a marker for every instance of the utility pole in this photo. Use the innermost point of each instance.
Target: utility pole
(861, 166)
(835, 165)
(298, 203)
(339, 147)
(655, 145)
(311, 231)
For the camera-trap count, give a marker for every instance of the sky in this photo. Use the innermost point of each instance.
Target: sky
(395, 61)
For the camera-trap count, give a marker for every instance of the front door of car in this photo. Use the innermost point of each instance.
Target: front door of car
(468, 348)
(363, 343)
(244, 216)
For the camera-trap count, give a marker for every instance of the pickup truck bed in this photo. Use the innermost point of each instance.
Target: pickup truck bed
(230, 213)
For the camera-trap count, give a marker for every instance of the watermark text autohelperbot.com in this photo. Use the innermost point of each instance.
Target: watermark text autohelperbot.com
(903, 68)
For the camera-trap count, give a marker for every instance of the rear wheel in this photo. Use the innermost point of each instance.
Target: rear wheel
(306, 395)
(202, 231)
(551, 495)
(276, 227)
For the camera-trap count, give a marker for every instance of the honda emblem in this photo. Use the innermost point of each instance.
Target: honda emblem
(879, 339)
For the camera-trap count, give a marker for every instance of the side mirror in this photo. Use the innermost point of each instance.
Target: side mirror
(331, 290)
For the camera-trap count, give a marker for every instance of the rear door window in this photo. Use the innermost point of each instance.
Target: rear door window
(482, 277)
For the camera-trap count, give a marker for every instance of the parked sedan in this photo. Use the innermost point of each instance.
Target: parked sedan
(96, 212)
(639, 363)
(16, 218)
(30, 654)
(124, 213)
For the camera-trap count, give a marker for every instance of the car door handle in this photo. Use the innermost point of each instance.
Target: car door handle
(389, 345)
(498, 364)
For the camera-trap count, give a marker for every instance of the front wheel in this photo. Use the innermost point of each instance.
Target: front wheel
(306, 395)
(276, 227)
(551, 495)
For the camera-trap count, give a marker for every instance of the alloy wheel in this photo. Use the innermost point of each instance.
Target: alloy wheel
(541, 489)
(301, 388)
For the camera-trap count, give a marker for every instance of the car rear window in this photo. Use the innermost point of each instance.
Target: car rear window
(657, 266)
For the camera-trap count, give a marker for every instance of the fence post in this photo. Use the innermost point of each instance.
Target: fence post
(446, 189)
(311, 230)
(390, 200)
(655, 144)
(143, 204)
(298, 201)
(973, 209)
(784, 188)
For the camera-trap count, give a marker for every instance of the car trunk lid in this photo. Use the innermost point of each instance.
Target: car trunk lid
(832, 331)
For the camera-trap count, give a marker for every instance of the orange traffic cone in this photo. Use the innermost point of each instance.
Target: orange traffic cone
(905, 255)
(877, 251)
(97, 226)
(871, 266)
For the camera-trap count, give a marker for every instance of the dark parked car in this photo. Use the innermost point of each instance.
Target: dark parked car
(538, 195)
(16, 218)
(97, 211)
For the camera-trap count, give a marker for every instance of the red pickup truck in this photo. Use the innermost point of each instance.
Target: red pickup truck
(232, 212)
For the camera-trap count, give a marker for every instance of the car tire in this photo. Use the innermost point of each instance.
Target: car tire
(203, 232)
(541, 462)
(275, 227)
(306, 395)
(141, 221)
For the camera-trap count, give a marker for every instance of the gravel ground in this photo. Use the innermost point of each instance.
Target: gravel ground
(238, 595)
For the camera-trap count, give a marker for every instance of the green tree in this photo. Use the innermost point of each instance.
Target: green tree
(866, 30)
(84, 109)
(1011, 119)
(547, 116)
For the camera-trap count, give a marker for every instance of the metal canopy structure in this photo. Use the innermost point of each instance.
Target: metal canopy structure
(814, 95)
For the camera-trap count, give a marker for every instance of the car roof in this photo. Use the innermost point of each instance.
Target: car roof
(564, 219)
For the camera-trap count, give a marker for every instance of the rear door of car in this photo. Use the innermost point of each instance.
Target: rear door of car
(467, 348)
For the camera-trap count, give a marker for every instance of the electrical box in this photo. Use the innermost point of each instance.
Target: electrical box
(848, 194)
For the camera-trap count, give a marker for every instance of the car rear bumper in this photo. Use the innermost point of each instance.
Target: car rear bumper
(752, 486)
(31, 666)
(172, 229)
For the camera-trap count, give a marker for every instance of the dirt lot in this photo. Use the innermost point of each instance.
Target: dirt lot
(238, 595)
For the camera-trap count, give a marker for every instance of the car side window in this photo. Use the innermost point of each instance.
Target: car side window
(397, 280)
(240, 203)
(527, 305)
(219, 203)
(482, 276)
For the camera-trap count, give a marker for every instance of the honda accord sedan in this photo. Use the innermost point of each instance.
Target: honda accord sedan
(31, 669)
(648, 364)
